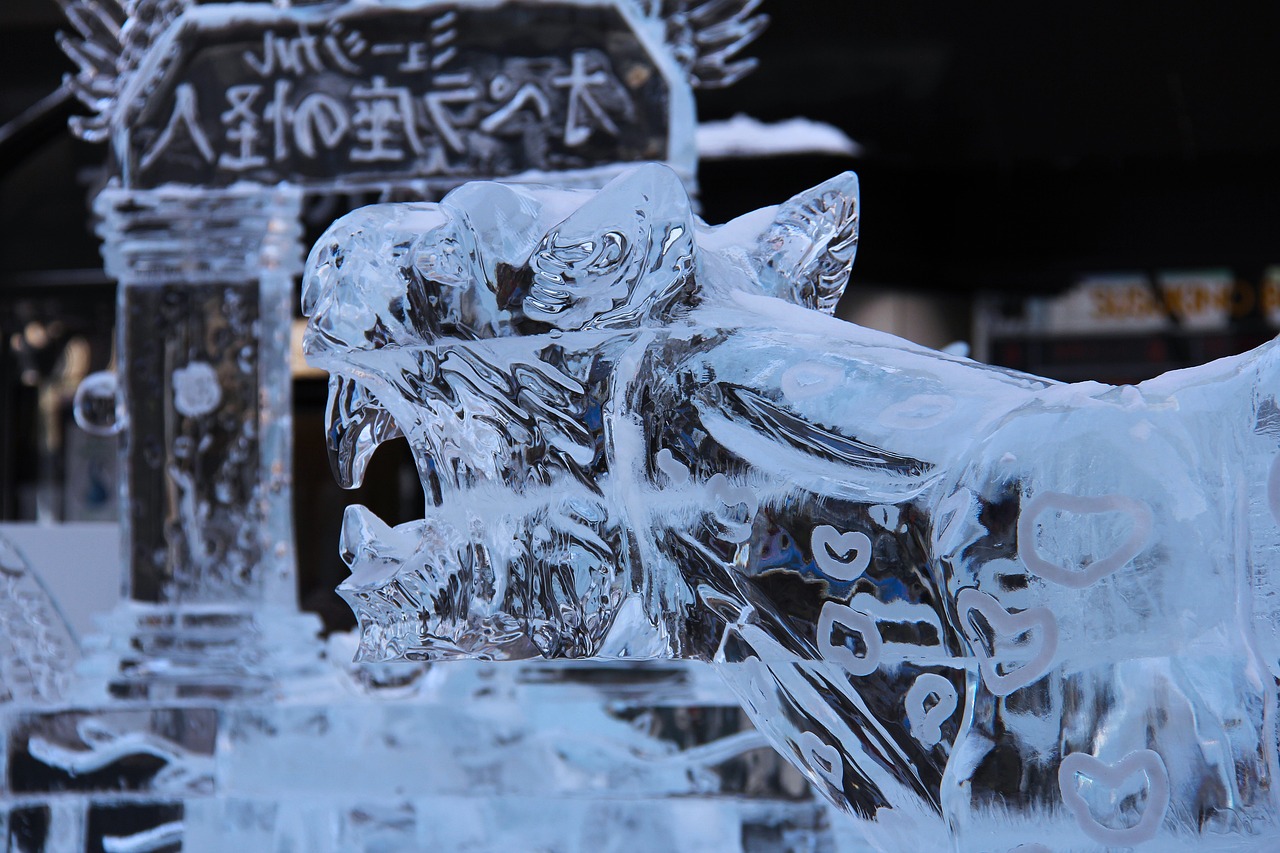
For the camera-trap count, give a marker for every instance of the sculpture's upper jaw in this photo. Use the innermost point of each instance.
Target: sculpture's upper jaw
(407, 306)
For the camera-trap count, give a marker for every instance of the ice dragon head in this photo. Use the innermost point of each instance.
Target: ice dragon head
(491, 330)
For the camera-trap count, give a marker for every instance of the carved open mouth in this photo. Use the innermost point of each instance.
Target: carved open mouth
(517, 555)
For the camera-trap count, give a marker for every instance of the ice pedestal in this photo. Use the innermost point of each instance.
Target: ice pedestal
(467, 757)
(524, 757)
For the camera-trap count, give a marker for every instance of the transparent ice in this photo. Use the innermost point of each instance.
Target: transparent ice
(980, 610)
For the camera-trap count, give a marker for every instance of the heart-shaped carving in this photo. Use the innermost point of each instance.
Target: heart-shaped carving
(1145, 761)
(1006, 625)
(823, 758)
(926, 725)
(677, 472)
(731, 497)
(810, 379)
(759, 685)
(854, 622)
(1139, 536)
(843, 556)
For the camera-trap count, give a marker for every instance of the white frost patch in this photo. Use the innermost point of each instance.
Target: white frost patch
(196, 391)
(744, 136)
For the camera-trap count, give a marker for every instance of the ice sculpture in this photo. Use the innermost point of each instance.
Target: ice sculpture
(220, 118)
(980, 610)
(36, 643)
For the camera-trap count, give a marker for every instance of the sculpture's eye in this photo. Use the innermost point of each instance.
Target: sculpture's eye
(559, 261)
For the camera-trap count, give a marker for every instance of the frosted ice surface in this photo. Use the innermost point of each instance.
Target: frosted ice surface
(980, 610)
(37, 644)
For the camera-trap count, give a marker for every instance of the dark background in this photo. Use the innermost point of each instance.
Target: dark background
(1007, 148)
(1007, 145)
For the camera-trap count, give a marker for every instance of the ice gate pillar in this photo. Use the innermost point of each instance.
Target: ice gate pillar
(203, 405)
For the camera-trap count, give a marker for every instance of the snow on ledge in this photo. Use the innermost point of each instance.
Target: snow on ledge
(744, 136)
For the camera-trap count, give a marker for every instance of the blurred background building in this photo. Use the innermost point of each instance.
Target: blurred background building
(1084, 191)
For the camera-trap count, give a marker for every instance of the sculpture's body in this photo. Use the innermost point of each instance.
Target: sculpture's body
(978, 608)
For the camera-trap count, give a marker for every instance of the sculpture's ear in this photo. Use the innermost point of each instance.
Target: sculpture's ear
(805, 255)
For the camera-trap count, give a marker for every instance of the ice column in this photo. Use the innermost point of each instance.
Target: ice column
(201, 398)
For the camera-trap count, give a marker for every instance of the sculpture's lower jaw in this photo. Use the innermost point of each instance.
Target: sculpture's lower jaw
(399, 638)
(412, 590)
(491, 575)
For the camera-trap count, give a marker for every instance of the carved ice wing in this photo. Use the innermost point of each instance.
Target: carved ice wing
(806, 255)
(109, 41)
(706, 37)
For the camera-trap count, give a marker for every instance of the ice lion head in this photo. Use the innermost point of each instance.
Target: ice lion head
(492, 330)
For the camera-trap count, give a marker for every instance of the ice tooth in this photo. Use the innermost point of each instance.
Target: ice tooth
(355, 424)
(372, 550)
